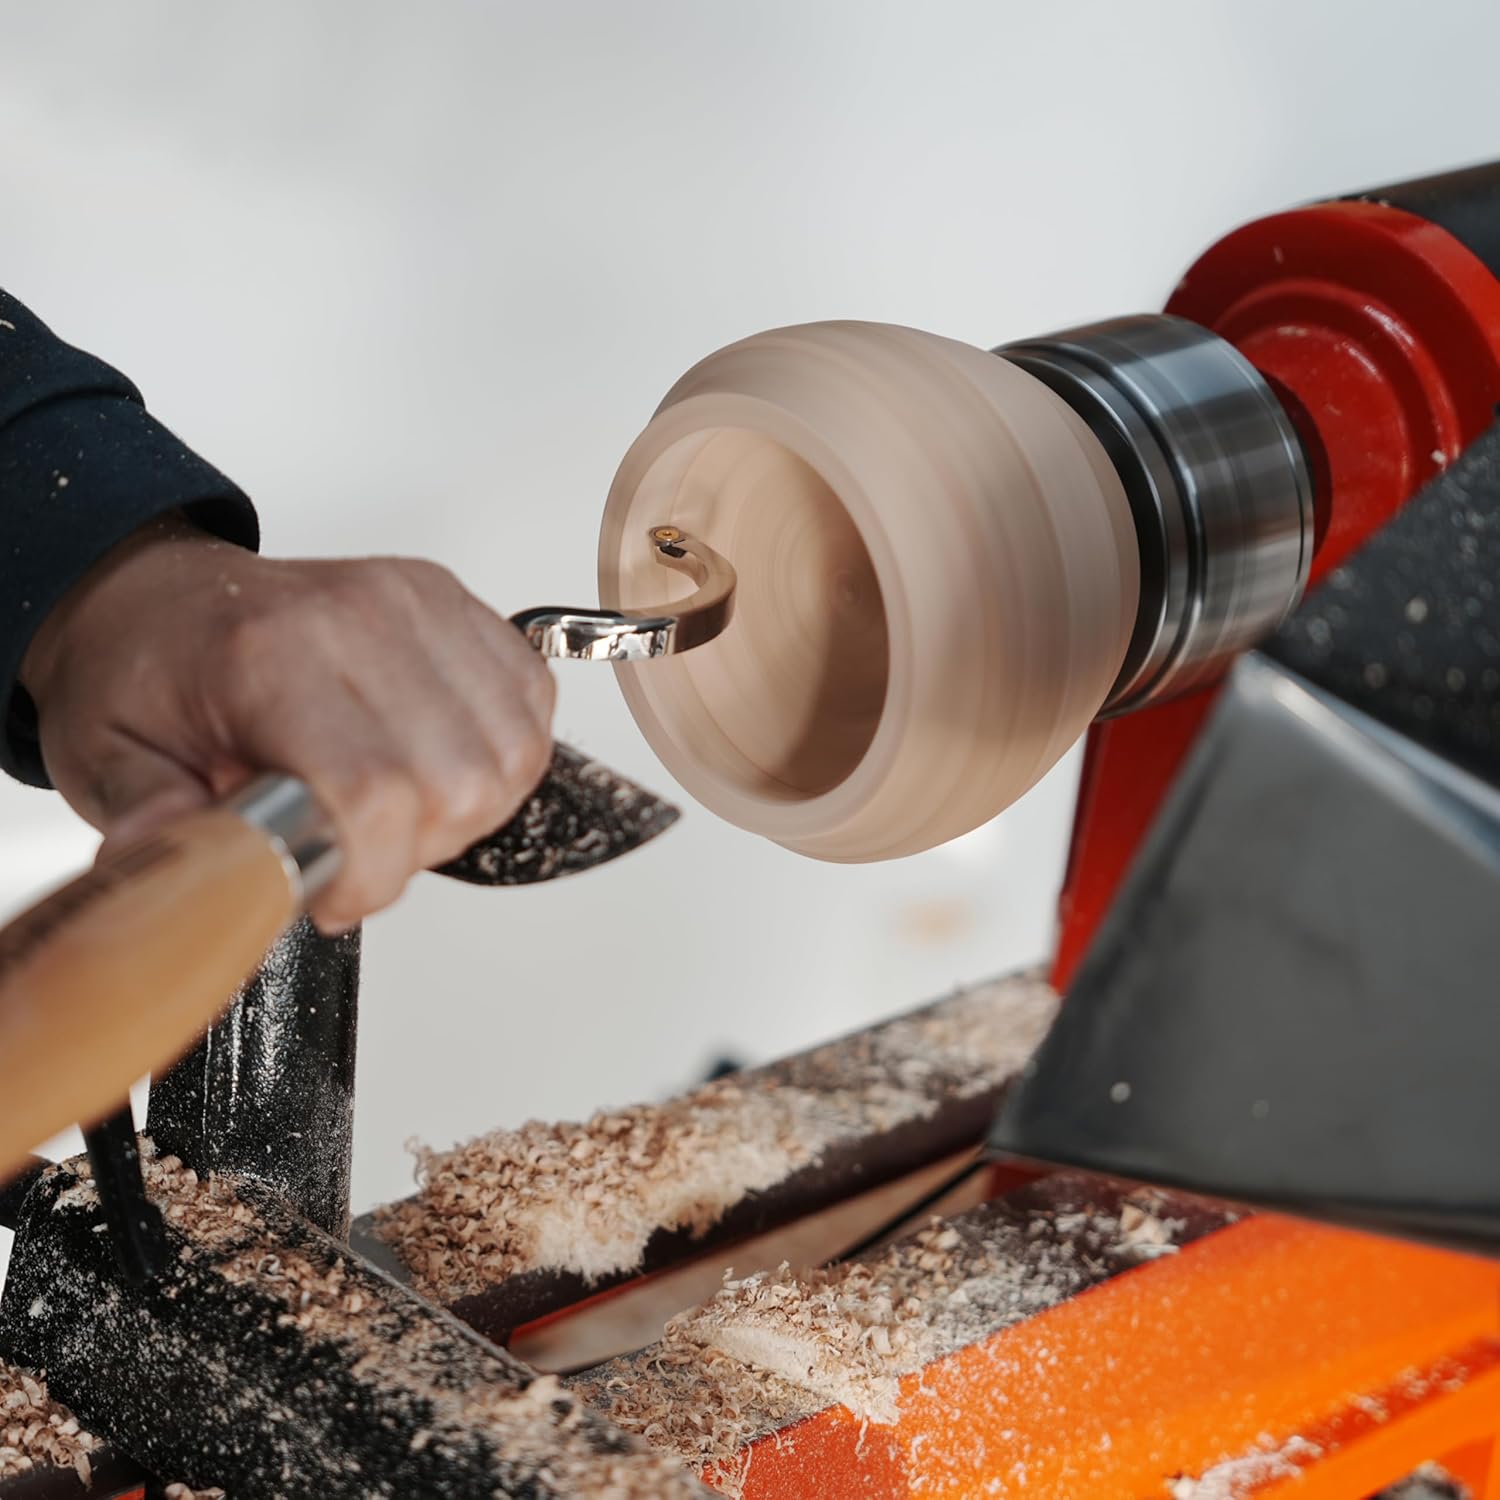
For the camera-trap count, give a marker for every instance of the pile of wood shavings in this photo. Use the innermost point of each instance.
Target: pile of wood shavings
(845, 1333)
(528, 1428)
(38, 1432)
(770, 1350)
(588, 1197)
(848, 1333)
(699, 1405)
(971, 1042)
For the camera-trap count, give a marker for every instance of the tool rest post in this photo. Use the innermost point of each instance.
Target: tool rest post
(269, 1091)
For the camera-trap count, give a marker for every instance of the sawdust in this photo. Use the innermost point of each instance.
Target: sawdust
(528, 1427)
(696, 1404)
(1235, 1478)
(772, 1349)
(38, 1432)
(845, 1334)
(580, 815)
(1143, 1231)
(588, 1197)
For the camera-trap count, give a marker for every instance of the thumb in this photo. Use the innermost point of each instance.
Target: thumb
(138, 792)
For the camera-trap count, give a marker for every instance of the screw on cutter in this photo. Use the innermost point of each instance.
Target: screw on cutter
(639, 634)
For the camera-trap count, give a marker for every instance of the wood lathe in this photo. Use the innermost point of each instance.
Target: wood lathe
(950, 565)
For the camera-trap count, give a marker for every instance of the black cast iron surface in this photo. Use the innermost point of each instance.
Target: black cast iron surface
(220, 1373)
(582, 815)
(1408, 630)
(269, 1091)
(14, 1189)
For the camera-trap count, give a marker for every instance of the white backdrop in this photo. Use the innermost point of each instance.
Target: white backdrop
(416, 275)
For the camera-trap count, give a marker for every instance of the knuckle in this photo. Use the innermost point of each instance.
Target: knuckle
(388, 789)
(524, 758)
(436, 575)
(356, 895)
(252, 637)
(347, 584)
(379, 798)
(413, 578)
(358, 590)
(469, 791)
(541, 689)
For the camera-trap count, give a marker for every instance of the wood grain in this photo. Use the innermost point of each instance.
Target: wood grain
(938, 577)
(116, 973)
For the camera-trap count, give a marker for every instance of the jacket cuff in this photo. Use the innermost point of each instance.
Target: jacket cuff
(77, 476)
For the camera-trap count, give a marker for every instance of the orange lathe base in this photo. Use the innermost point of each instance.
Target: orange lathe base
(1273, 1356)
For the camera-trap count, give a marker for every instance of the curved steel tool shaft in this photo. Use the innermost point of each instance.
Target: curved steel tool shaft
(584, 814)
(639, 634)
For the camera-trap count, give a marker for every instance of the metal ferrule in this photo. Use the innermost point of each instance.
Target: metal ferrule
(285, 810)
(1217, 481)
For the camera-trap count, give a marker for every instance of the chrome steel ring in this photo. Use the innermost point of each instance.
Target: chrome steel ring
(1218, 485)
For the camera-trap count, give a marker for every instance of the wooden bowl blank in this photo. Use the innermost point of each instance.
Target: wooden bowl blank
(938, 577)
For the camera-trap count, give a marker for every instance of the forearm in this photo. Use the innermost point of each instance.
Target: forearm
(83, 466)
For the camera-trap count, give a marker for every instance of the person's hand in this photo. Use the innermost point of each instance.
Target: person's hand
(180, 666)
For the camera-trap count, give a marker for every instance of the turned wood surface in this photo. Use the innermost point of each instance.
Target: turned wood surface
(938, 577)
(116, 973)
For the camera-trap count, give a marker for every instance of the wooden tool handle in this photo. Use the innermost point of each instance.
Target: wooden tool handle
(115, 974)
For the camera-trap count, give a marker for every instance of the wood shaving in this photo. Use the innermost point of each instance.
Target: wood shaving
(1238, 1478)
(38, 1432)
(697, 1404)
(773, 1349)
(588, 1197)
(845, 1334)
(528, 1427)
(1143, 1231)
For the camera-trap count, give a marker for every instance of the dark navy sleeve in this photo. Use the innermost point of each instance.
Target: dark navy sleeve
(82, 465)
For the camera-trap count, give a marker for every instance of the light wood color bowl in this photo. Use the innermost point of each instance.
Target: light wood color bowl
(938, 578)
